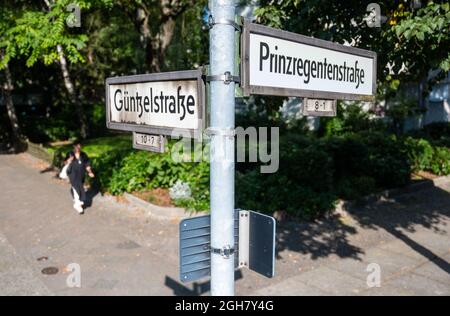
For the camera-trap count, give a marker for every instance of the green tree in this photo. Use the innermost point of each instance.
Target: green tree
(7, 17)
(410, 43)
(156, 21)
(40, 34)
(421, 40)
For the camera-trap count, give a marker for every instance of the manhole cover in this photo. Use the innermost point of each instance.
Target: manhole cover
(42, 259)
(50, 270)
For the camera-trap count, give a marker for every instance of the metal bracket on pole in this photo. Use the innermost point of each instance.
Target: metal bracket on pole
(225, 252)
(212, 22)
(226, 132)
(244, 239)
(227, 78)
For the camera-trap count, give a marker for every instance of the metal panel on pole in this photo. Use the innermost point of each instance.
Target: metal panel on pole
(254, 244)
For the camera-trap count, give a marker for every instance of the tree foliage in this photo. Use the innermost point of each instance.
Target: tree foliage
(421, 40)
(410, 42)
(38, 31)
(35, 34)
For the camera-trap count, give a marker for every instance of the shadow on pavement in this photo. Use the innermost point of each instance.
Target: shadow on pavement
(318, 239)
(91, 193)
(48, 169)
(402, 215)
(441, 263)
(396, 216)
(198, 289)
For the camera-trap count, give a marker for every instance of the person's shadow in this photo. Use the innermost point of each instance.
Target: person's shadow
(91, 193)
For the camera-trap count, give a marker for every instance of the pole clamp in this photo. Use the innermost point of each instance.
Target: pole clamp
(225, 252)
(227, 78)
(212, 22)
(227, 132)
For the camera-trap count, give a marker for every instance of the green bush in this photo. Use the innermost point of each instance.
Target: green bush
(351, 118)
(297, 200)
(250, 190)
(368, 157)
(387, 161)
(40, 129)
(132, 174)
(420, 153)
(440, 164)
(141, 170)
(437, 134)
(352, 188)
(348, 153)
(104, 166)
(306, 163)
(426, 157)
(97, 118)
(58, 130)
(119, 169)
(268, 193)
(313, 173)
(302, 186)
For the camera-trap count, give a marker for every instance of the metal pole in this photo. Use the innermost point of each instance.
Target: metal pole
(222, 60)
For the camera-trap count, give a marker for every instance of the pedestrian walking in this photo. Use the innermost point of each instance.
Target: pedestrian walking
(78, 164)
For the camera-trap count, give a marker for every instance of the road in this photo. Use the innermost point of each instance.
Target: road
(122, 251)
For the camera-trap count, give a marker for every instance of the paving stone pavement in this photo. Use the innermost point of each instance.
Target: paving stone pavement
(122, 251)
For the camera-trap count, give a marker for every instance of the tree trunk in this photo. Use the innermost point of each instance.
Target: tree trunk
(155, 45)
(70, 87)
(7, 94)
(145, 36)
(163, 40)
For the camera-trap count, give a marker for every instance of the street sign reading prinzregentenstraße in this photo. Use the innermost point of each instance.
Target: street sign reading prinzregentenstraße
(157, 103)
(276, 62)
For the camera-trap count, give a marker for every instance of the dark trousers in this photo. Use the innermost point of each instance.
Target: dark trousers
(77, 191)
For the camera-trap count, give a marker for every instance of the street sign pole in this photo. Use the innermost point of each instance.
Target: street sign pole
(222, 82)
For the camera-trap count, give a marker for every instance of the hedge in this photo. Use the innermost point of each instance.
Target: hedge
(314, 172)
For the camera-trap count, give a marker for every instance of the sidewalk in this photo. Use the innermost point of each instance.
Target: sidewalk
(122, 251)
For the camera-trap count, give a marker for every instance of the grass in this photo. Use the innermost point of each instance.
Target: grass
(101, 146)
(96, 147)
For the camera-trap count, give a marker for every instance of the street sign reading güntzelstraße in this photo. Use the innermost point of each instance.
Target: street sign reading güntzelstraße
(157, 103)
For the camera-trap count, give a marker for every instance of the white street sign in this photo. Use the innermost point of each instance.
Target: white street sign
(277, 62)
(157, 103)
